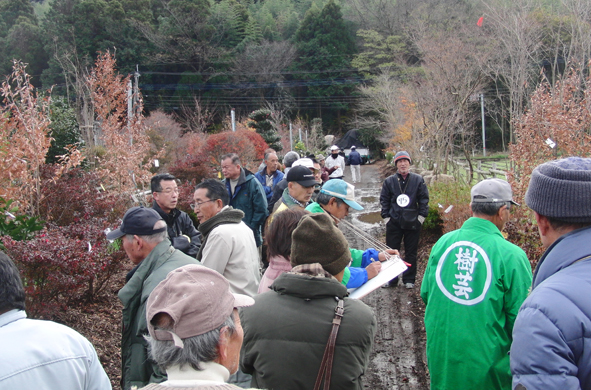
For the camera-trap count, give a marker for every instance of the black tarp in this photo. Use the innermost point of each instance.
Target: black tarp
(350, 139)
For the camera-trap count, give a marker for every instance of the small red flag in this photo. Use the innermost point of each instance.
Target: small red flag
(479, 23)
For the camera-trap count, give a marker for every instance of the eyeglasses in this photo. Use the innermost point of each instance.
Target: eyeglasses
(195, 206)
(169, 191)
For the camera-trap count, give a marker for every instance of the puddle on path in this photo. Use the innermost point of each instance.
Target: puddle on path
(374, 217)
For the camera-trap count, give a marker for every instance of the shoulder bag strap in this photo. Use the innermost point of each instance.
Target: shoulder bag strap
(326, 364)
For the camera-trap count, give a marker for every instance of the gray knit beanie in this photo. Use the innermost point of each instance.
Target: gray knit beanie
(561, 189)
(316, 239)
(402, 155)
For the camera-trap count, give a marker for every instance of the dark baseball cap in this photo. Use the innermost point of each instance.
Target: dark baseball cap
(137, 221)
(301, 175)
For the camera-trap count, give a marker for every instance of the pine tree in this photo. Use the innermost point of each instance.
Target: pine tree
(326, 45)
(259, 120)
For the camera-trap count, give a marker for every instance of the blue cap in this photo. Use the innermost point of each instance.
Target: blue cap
(342, 190)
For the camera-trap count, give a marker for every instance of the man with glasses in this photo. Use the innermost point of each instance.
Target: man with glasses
(473, 287)
(228, 244)
(181, 231)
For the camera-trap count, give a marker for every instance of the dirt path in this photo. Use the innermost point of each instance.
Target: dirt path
(398, 359)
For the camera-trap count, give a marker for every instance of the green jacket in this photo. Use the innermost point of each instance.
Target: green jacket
(473, 286)
(356, 254)
(249, 196)
(136, 369)
(286, 331)
(284, 203)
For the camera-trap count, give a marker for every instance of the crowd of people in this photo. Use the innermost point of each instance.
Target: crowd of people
(257, 295)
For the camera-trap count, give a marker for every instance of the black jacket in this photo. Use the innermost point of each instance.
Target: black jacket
(179, 223)
(414, 187)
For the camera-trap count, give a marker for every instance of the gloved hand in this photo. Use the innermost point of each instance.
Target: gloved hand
(421, 219)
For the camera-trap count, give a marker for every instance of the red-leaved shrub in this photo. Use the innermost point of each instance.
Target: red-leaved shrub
(64, 266)
(70, 261)
(77, 196)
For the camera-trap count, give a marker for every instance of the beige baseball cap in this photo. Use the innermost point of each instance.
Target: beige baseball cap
(198, 300)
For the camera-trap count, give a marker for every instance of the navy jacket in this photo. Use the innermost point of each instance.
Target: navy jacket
(262, 178)
(354, 158)
(552, 334)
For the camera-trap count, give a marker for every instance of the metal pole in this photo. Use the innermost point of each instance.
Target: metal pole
(129, 110)
(233, 115)
(290, 138)
(483, 125)
(136, 89)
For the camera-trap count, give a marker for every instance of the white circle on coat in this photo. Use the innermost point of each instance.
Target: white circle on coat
(403, 200)
(464, 275)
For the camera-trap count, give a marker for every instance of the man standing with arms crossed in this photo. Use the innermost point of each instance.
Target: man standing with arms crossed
(181, 231)
(405, 205)
(335, 163)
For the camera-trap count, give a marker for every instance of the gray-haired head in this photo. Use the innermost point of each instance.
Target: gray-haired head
(290, 158)
(196, 350)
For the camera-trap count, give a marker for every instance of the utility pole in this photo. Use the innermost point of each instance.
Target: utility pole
(136, 90)
(132, 101)
(483, 125)
(129, 110)
(233, 116)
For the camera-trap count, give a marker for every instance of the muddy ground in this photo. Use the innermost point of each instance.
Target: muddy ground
(398, 359)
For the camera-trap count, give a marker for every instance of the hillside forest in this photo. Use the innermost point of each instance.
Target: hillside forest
(398, 70)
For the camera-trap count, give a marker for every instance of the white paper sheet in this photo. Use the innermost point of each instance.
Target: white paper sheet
(390, 269)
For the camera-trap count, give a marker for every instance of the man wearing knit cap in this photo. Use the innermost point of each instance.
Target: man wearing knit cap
(405, 204)
(551, 338)
(287, 330)
(144, 238)
(473, 287)
(195, 330)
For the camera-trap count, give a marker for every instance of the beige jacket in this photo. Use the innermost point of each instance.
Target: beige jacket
(231, 250)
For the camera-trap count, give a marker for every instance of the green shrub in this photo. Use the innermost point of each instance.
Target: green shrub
(433, 223)
(444, 195)
(18, 227)
(389, 157)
